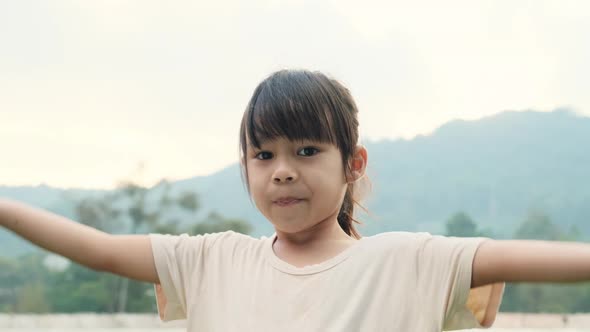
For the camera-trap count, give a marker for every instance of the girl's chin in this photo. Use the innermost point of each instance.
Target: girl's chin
(289, 226)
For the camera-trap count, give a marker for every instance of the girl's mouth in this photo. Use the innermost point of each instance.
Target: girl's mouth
(287, 201)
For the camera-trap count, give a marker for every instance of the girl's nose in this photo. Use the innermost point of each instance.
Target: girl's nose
(283, 179)
(284, 173)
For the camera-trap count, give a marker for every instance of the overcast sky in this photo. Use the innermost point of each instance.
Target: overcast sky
(90, 89)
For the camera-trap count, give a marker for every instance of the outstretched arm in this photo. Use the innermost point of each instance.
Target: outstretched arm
(530, 261)
(126, 255)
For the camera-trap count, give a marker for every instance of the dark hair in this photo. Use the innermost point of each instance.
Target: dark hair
(304, 105)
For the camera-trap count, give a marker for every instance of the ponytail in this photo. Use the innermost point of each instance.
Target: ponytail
(345, 216)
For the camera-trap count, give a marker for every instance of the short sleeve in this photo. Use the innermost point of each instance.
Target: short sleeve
(179, 263)
(446, 271)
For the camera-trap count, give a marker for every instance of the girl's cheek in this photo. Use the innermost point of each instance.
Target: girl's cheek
(256, 179)
(255, 173)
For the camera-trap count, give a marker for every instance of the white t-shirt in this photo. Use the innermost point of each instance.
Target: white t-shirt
(393, 281)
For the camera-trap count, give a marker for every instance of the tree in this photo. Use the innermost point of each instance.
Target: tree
(538, 226)
(215, 223)
(9, 279)
(26, 289)
(461, 224)
(31, 298)
(99, 213)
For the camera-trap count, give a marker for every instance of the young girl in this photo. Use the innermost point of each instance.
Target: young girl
(301, 164)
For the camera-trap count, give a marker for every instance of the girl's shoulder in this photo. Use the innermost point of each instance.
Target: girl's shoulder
(227, 239)
(418, 241)
(414, 236)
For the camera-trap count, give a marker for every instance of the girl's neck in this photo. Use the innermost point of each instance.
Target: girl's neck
(312, 246)
(325, 231)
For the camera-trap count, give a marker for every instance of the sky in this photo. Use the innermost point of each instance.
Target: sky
(95, 92)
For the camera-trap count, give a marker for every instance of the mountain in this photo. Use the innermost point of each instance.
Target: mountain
(496, 169)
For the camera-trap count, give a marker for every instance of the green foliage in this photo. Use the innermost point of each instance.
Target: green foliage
(9, 279)
(461, 224)
(554, 298)
(216, 223)
(31, 298)
(538, 226)
(8, 272)
(188, 201)
(98, 213)
(22, 287)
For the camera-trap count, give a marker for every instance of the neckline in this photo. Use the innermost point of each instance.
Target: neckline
(285, 267)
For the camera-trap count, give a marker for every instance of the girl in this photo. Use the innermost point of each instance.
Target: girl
(301, 165)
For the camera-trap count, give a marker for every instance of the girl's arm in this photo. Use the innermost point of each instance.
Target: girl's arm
(129, 255)
(530, 261)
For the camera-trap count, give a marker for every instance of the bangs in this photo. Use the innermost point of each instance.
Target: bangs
(297, 111)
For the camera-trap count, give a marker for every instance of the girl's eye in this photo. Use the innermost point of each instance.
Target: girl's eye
(264, 155)
(308, 151)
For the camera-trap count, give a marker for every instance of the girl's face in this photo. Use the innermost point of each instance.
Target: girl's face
(296, 185)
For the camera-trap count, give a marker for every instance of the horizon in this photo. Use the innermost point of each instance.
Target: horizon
(90, 91)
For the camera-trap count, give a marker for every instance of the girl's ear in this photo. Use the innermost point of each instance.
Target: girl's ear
(358, 163)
